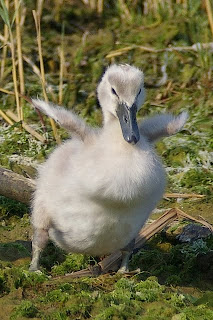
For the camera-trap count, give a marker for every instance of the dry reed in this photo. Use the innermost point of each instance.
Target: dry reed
(4, 50)
(125, 10)
(5, 117)
(39, 7)
(10, 114)
(100, 6)
(210, 14)
(12, 48)
(19, 52)
(61, 72)
(43, 81)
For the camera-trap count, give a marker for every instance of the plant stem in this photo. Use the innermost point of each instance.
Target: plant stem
(19, 52)
(100, 6)
(61, 73)
(43, 82)
(12, 47)
(39, 7)
(4, 50)
(210, 14)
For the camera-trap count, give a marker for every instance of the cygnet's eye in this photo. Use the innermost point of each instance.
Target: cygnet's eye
(114, 92)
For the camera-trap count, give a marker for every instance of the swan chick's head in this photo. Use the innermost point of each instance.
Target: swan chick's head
(121, 93)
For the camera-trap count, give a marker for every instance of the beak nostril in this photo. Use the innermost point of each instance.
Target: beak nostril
(125, 119)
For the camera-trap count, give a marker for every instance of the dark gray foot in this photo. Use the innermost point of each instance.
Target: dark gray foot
(126, 253)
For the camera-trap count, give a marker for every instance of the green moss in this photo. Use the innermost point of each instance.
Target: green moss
(57, 315)
(199, 313)
(13, 250)
(198, 181)
(206, 299)
(25, 309)
(149, 290)
(67, 287)
(56, 296)
(158, 310)
(20, 278)
(51, 257)
(3, 283)
(17, 141)
(73, 262)
(9, 208)
(176, 266)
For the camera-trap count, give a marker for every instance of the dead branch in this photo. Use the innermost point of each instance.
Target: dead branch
(15, 186)
(183, 195)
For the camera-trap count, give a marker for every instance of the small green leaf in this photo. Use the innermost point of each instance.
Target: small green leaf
(4, 18)
(4, 14)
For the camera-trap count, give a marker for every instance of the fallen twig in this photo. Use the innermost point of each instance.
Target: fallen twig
(7, 91)
(26, 126)
(195, 47)
(183, 195)
(6, 118)
(30, 102)
(183, 215)
(209, 13)
(15, 186)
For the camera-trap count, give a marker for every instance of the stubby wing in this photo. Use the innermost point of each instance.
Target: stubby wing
(64, 118)
(162, 125)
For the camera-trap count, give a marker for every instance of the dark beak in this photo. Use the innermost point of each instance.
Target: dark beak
(128, 122)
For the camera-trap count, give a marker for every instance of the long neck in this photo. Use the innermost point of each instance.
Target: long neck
(108, 117)
(112, 133)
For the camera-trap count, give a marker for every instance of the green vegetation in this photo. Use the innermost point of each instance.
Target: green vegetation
(175, 281)
(119, 298)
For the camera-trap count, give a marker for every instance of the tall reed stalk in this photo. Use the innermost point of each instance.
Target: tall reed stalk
(19, 51)
(39, 7)
(4, 50)
(43, 81)
(210, 14)
(5, 16)
(124, 10)
(61, 73)
(100, 6)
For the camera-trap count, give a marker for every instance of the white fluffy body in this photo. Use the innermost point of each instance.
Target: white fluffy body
(96, 190)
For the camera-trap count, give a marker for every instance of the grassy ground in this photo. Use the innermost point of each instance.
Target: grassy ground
(176, 279)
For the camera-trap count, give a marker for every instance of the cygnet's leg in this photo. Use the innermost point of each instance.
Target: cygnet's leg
(40, 239)
(126, 253)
